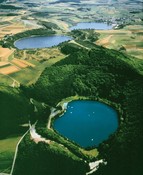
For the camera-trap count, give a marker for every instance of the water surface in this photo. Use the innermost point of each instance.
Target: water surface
(92, 25)
(40, 41)
(88, 123)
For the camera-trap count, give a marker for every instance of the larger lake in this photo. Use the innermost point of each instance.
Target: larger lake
(92, 25)
(40, 41)
(88, 123)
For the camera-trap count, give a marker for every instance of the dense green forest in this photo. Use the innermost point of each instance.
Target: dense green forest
(17, 110)
(71, 146)
(45, 159)
(14, 111)
(98, 72)
(101, 73)
(84, 35)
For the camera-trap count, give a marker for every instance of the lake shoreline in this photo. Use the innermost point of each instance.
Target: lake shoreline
(19, 44)
(65, 102)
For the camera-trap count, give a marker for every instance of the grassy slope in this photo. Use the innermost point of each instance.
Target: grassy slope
(7, 150)
(6, 80)
(14, 110)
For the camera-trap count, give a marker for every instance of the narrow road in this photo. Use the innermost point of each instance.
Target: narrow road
(16, 151)
(52, 115)
(74, 42)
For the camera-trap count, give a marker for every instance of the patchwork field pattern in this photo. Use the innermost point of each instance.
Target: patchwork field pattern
(15, 65)
(128, 38)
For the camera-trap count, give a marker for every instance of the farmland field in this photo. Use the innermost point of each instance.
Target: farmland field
(33, 73)
(5, 53)
(9, 69)
(129, 37)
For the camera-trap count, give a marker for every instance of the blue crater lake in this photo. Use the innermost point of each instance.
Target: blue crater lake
(40, 41)
(88, 123)
(92, 25)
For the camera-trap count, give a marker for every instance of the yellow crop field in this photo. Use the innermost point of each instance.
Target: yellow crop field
(27, 63)
(9, 69)
(19, 63)
(3, 63)
(5, 53)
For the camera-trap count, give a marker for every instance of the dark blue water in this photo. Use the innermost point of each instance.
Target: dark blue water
(40, 41)
(92, 25)
(87, 123)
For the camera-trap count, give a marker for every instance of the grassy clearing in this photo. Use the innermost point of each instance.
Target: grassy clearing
(91, 153)
(7, 150)
(25, 76)
(38, 54)
(6, 80)
(8, 145)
